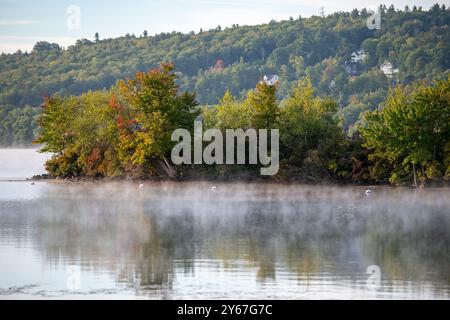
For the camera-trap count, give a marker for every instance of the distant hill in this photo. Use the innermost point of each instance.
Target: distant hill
(414, 41)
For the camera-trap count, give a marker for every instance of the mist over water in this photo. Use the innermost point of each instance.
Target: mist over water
(20, 164)
(230, 241)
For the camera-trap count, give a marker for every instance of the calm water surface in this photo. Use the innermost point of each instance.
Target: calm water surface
(190, 240)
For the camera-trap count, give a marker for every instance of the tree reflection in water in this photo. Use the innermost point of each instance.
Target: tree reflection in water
(308, 236)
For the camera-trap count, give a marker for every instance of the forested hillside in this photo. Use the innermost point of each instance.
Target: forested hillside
(414, 41)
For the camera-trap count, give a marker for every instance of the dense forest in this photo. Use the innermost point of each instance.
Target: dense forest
(126, 132)
(231, 61)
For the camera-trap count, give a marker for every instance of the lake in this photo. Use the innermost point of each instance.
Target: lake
(92, 240)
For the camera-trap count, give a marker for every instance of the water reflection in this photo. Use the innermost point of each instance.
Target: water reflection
(241, 241)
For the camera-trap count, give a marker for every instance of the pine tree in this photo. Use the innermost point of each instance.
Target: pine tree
(263, 103)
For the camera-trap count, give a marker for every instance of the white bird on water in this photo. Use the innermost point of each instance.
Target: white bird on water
(141, 186)
(213, 188)
(368, 192)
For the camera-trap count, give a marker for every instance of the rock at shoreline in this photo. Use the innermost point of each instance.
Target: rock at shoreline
(41, 177)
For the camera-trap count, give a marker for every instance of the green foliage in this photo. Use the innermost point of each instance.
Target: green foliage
(311, 138)
(18, 126)
(310, 135)
(263, 103)
(118, 132)
(410, 134)
(258, 111)
(415, 41)
(334, 118)
(149, 109)
(81, 132)
(230, 113)
(127, 132)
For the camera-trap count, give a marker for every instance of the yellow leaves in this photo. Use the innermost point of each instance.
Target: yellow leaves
(232, 113)
(152, 109)
(432, 171)
(303, 103)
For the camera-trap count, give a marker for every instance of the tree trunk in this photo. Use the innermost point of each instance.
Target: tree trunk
(165, 165)
(415, 177)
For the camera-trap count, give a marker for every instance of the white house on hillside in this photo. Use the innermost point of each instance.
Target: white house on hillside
(358, 56)
(388, 69)
(271, 80)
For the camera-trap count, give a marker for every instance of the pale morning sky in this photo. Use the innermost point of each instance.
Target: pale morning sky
(24, 22)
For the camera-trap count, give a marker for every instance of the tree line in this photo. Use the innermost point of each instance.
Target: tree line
(234, 59)
(125, 132)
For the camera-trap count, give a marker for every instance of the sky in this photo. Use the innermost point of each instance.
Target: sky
(24, 22)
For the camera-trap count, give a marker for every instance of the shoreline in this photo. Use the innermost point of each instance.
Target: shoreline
(235, 179)
(262, 181)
